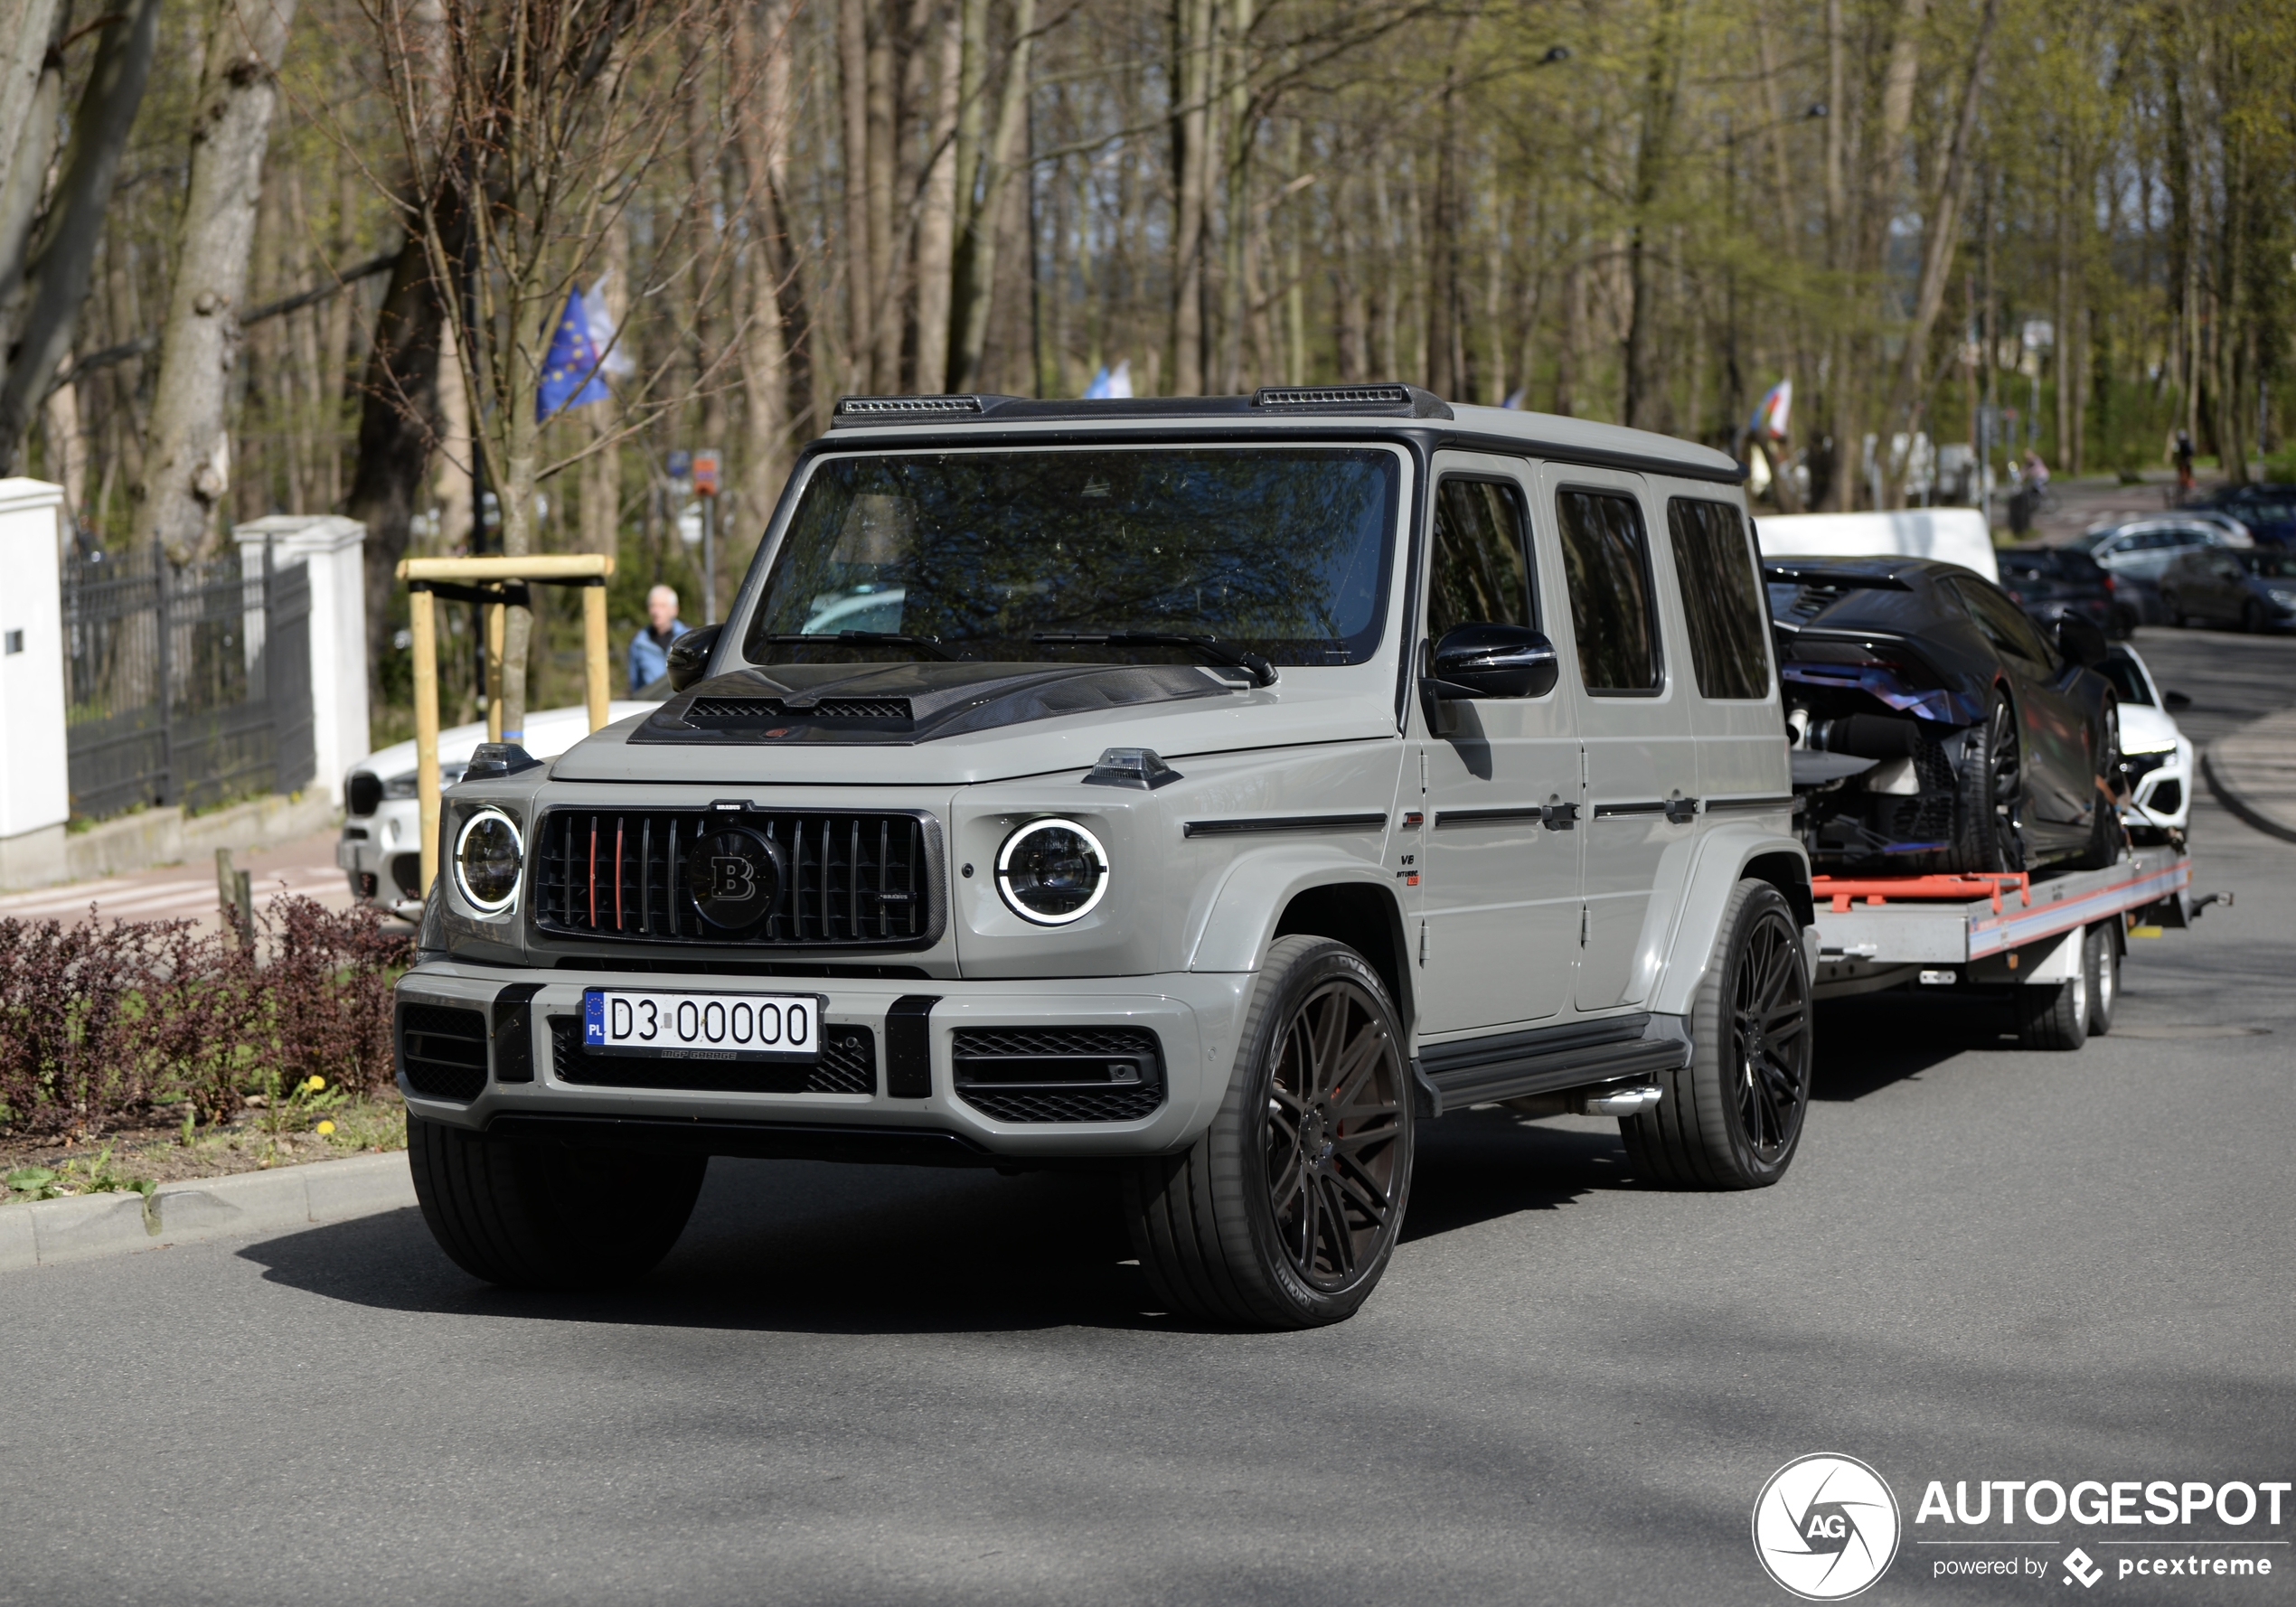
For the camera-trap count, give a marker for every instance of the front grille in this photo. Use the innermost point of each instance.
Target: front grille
(847, 1065)
(735, 714)
(850, 880)
(442, 1050)
(1060, 1074)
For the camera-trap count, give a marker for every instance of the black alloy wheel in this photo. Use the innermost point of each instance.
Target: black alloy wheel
(1334, 1110)
(2005, 771)
(1770, 1036)
(2251, 617)
(1732, 1117)
(1284, 1213)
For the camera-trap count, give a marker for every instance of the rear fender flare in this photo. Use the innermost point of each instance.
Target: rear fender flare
(1726, 855)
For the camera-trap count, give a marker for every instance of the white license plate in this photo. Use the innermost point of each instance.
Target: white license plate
(702, 1026)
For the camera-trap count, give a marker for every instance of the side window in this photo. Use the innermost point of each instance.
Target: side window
(1607, 561)
(1714, 565)
(2003, 623)
(1480, 574)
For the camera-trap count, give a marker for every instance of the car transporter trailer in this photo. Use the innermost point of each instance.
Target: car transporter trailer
(2053, 939)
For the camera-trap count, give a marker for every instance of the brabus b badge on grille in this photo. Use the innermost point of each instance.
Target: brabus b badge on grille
(734, 876)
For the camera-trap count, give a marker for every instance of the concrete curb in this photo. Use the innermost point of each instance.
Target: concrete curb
(2253, 774)
(51, 1232)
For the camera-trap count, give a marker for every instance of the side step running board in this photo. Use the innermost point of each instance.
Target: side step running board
(1619, 1050)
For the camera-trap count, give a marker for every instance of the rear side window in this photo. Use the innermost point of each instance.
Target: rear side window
(1607, 563)
(1480, 574)
(2002, 622)
(1714, 564)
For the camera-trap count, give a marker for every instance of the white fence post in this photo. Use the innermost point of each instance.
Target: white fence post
(334, 549)
(35, 786)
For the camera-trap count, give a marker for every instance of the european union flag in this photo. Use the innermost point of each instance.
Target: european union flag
(570, 373)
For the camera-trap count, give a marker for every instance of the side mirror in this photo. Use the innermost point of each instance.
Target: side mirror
(690, 655)
(2176, 702)
(2081, 641)
(1492, 661)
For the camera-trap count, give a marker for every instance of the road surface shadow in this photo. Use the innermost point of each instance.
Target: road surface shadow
(1870, 1043)
(815, 1247)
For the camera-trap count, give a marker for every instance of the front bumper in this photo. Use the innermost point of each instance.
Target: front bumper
(382, 855)
(1194, 1015)
(2161, 796)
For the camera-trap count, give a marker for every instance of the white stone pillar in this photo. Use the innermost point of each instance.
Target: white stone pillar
(35, 779)
(334, 549)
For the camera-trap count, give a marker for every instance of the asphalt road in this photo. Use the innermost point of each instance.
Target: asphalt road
(859, 1386)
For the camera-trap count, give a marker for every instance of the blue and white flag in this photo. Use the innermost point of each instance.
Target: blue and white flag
(570, 376)
(1110, 383)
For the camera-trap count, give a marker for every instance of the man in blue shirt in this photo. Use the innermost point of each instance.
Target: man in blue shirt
(649, 648)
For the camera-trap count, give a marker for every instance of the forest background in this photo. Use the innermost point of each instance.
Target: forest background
(324, 270)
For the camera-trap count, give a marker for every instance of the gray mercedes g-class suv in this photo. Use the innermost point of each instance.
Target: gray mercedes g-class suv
(1207, 790)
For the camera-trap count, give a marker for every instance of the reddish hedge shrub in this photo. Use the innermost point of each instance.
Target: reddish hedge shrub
(98, 1023)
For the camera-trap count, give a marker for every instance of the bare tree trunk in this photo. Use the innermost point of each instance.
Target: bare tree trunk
(977, 246)
(46, 297)
(190, 465)
(884, 244)
(68, 449)
(1645, 363)
(1937, 254)
(601, 472)
(761, 65)
(1191, 78)
(852, 70)
(936, 222)
(31, 94)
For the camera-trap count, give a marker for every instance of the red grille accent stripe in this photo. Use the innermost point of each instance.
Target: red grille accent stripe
(593, 872)
(618, 873)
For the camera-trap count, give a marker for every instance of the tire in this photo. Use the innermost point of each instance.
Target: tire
(2125, 622)
(543, 1216)
(1732, 1118)
(2104, 968)
(2107, 835)
(2251, 617)
(2176, 616)
(1988, 833)
(2056, 1015)
(1284, 1213)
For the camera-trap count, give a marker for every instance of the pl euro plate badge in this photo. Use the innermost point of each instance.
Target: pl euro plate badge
(702, 1026)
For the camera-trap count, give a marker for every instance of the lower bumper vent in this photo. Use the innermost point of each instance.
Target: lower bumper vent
(442, 1051)
(1060, 1074)
(847, 1065)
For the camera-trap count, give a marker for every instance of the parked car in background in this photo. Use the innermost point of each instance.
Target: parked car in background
(2254, 590)
(2268, 510)
(1987, 740)
(2051, 582)
(380, 848)
(2137, 551)
(2156, 757)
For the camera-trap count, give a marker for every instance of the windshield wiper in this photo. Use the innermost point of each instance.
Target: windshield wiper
(1262, 673)
(866, 638)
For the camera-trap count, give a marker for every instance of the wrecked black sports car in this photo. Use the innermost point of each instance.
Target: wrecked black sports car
(1935, 728)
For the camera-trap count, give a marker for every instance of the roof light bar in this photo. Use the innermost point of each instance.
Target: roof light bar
(1407, 399)
(905, 407)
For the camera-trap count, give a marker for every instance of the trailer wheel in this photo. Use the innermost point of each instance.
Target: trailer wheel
(1732, 1117)
(2103, 969)
(2056, 1015)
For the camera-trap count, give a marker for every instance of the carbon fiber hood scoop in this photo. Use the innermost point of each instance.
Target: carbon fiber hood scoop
(897, 705)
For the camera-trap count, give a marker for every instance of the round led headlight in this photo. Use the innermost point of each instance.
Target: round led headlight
(1052, 872)
(487, 855)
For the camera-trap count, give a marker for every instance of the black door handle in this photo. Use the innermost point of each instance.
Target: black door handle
(1681, 812)
(1558, 816)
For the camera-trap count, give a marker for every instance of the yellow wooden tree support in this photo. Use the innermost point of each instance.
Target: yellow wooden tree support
(493, 583)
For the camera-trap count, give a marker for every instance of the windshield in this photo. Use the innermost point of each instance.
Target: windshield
(1282, 551)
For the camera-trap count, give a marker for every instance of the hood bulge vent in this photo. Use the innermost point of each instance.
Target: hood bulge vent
(737, 714)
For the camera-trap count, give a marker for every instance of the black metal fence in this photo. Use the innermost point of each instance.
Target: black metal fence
(187, 686)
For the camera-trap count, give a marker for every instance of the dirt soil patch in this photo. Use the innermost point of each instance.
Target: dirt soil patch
(156, 1153)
